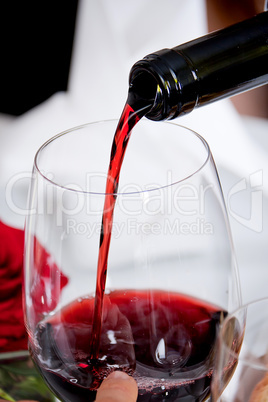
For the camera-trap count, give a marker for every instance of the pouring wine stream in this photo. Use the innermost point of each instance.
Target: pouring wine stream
(137, 105)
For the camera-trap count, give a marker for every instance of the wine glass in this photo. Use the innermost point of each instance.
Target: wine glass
(241, 362)
(171, 276)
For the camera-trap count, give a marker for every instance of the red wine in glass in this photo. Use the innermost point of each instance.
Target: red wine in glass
(173, 361)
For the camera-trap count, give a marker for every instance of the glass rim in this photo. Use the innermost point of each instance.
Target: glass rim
(80, 127)
(236, 355)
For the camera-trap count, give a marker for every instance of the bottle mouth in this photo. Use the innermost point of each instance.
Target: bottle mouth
(144, 86)
(155, 79)
(146, 83)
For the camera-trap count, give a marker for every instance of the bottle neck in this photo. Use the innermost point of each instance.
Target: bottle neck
(213, 67)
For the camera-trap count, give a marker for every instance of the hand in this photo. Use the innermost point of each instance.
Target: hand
(118, 387)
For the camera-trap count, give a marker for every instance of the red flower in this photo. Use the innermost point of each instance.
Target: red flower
(12, 330)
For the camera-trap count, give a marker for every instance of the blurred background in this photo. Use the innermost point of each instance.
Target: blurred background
(36, 46)
(67, 63)
(36, 42)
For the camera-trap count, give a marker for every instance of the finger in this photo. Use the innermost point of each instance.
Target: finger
(118, 387)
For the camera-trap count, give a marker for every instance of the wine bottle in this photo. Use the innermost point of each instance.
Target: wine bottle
(218, 65)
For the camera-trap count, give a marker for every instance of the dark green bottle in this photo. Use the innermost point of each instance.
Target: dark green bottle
(213, 67)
